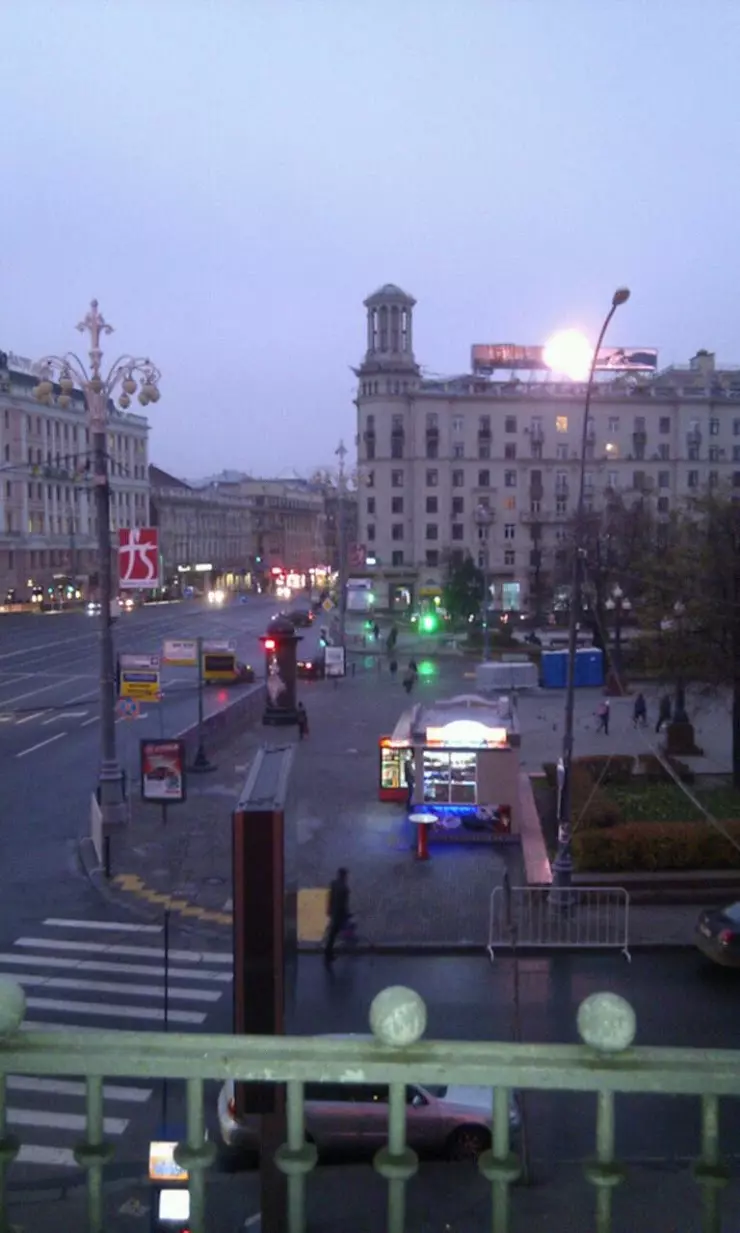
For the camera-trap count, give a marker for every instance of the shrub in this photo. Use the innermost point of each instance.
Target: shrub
(651, 846)
(652, 768)
(590, 806)
(602, 768)
(551, 774)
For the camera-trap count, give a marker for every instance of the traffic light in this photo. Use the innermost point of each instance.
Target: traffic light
(269, 644)
(323, 636)
(429, 622)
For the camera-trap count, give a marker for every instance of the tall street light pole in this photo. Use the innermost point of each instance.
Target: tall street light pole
(563, 863)
(130, 373)
(341, 453)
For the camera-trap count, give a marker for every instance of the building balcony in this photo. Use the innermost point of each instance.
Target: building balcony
(604, 1066)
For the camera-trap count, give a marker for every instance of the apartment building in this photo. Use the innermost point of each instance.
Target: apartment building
(489, 465)
(288, 521)
(48, 524)
(205, 533)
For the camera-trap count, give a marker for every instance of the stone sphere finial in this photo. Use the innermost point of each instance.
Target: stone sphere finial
(606, 1022)
(12, 1007)
(398, 1016)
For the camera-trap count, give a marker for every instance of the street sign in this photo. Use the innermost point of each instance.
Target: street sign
(225, 646)
(138, 558)
(163, 771)
(328, 604)
(139, 677)
(128, 708)
(183, 652)
(335, 661)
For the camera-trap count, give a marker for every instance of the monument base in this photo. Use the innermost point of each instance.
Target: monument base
(279, 718)
(680, 741)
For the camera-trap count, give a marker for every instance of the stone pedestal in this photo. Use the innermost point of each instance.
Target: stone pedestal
(680, 742)
(280, 644)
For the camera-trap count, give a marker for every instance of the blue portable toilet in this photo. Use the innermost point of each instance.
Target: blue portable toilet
(554, 666)
(589, 670)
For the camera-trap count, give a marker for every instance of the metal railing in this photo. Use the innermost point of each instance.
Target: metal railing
(605, 1063)
(536, 917)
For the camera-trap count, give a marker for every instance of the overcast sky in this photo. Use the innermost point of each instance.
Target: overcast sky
(231, 178)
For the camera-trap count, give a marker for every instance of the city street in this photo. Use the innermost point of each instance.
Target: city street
(50, 733)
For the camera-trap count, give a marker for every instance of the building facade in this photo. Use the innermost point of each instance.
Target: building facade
(205, 533)
(48, 523)
(288, 522)
(471, 464)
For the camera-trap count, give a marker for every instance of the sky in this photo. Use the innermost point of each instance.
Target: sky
(231, 179)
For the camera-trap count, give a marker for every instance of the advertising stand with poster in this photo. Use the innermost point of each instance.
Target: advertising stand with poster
(162, 764)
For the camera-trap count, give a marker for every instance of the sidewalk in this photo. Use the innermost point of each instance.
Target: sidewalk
(185, 865)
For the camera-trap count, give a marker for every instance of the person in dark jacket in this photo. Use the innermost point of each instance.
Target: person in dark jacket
(302, 721)
(409, 779)
(639, 712)
(337, 910)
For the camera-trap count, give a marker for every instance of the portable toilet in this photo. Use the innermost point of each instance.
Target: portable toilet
(589, 669)
(554, 666)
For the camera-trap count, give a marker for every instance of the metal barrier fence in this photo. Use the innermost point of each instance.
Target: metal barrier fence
(606, 1063)
(583, 917)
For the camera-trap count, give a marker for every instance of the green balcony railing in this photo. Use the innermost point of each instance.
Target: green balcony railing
(606, 1063)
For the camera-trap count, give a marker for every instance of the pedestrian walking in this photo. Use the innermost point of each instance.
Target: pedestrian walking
(639, 712)
(302, 722)
(409, 779)
(337, 910)
(664, 712)
(602, 715)
(376, 631)
(409, 677)
(393, 667)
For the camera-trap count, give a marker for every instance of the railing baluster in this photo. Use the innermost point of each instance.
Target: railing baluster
(296, 1158)
(500, 1166)
(607, 1024)
(196, 1154)
(709, 1171)
(398, 1017)
(94, 1153)
(8, 1150)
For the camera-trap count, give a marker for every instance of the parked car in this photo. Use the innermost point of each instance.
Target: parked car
(343, 1117)
(312, 668)
(718, 935)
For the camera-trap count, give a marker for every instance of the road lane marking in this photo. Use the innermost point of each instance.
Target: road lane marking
(63, 1121)
(58, 922)
(103, 1010)
(129, 969)
(53, 1157)
(71, 1087)
(39, 979)
(27, 718)
(102, 948)
(31, 693)
(41, 744)
(63, 715)
(6, 719)
(95, 720)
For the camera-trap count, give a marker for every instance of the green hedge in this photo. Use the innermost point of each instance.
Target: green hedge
(604, 769)
(651, 846)
(590, 805)
(652, 768)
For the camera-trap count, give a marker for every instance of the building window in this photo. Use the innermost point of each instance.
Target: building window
(664, 451)
(613, 423)
(561, 505)
(510, 451)
(457, 424)
(663, 505)
(458, 506)
(639, 423)
(432, 447)
(664, 479)
(509, 530)
(371, 479)
(432, 420)
(510, 503)
(458, 450)
(561, 451)
(664, 424)
(484, 451)
(370, 504)
(396, 446)
(693, 479)
(714, 453)
(534, 507)
(396, 505)
(457, 531)
(561, 423)
(396, 479)
(432, 557)
(612, 479)
(509, 556)
(432, 478)
(484, 423)
(736, 479)
(431, 530)
(458, 479)
(736, 453)
(484, 479)
(371, 531)
(396, 423)
(736, 428)
(510, 423)
(397, 557)
(397, 531)
(713, 479)
(483, 534)
(432, 505)
(370, 448)
(714, 427)
(510, 479)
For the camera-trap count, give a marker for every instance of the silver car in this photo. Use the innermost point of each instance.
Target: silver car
(345, 1117)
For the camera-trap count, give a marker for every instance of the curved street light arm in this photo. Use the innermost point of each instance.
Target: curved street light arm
(66, 364)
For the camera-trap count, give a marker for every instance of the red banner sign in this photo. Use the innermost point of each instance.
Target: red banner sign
(138, 558)
(163, 771)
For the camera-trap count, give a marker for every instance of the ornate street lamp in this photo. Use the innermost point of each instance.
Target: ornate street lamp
(619, 604)
(131, 375)
(563, 863)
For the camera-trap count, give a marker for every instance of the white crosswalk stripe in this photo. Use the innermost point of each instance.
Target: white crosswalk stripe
(82, 976)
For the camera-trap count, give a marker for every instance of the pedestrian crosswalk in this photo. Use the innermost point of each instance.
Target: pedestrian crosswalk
(86, 975)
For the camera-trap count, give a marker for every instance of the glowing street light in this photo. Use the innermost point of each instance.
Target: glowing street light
(570, 353)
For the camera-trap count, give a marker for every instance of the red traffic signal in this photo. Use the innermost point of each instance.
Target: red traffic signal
(270, 644)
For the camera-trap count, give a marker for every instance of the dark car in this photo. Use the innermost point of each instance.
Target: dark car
(301, 617)
(718, 935)
(311, 668)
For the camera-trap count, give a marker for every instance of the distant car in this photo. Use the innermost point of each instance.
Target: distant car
(93, 609)
(127, 603)
(453, 1121)
(216, 597)
(312, 668)
(301, 617)
(718, 935)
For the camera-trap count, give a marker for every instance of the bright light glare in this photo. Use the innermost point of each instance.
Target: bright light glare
(569, 352)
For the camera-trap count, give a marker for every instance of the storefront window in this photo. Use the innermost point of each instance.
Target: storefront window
(450, 777)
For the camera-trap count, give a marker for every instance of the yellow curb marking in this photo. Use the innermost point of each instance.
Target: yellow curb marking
(311, 906)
